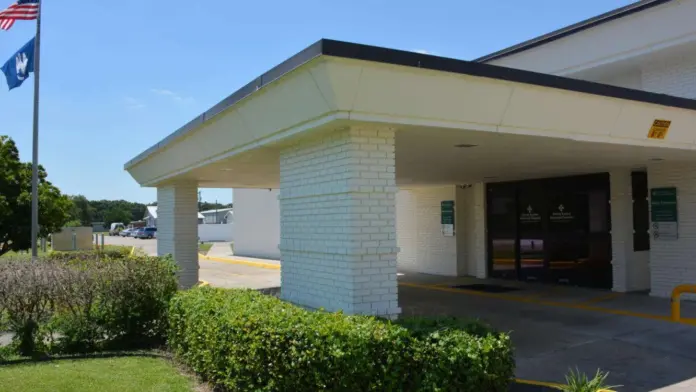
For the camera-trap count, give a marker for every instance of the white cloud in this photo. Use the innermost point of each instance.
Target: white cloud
(132, 103)
(171, 94)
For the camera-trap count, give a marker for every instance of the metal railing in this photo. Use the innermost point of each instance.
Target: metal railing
(676, 304)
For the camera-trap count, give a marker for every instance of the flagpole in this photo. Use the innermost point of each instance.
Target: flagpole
(35, 149)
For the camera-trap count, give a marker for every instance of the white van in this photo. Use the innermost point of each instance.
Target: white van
(116, 228)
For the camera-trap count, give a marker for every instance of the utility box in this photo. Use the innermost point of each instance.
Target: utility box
(63, 240)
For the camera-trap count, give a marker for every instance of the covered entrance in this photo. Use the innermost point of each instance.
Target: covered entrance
(552, 230)
(341, 128)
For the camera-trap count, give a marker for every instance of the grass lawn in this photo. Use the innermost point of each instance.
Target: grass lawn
(204, 248)
(118, 374)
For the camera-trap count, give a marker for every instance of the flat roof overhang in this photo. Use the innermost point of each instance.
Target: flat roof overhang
(334, 84)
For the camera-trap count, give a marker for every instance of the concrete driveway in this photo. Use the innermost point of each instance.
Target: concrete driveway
(553, 333)
(217, 274)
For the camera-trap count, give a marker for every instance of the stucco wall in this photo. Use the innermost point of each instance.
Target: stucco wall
(216, 232)
(256, 230)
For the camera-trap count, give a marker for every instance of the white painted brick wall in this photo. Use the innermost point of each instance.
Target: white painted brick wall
(257, 223)
(674, 262)
(675, 75)
(423, 248)
(471, 216)
(630, 269)
(337, 218)
(177, 229)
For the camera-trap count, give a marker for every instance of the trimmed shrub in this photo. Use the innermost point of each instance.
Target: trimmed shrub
(110, 252)
(244, 340)
(86, 302)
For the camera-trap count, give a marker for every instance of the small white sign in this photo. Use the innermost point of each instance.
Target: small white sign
(665, 231)
(448, 230)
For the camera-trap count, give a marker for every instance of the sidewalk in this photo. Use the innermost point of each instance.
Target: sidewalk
(222, 252)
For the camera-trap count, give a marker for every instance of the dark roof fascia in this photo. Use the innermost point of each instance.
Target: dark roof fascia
(354, 51)
(574, 28)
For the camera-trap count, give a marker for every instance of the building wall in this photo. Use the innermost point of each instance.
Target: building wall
(674, 75)
(213, 233)
(630, 269)
(422, 246)
(257, 223)
(672, 262)
(628, 78)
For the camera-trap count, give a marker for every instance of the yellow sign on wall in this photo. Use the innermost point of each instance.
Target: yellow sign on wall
(659, 129)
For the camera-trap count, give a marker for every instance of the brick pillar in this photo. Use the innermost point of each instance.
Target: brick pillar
(338, 235)
(177, 228)
(479, 232)
(621, 227)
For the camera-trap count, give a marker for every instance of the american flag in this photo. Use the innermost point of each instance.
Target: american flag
(21, 10)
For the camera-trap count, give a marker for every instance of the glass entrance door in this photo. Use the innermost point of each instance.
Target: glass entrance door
(554, 230)
(567, 250)
(531, 232)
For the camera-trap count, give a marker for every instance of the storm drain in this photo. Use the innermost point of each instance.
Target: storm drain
(486, 288)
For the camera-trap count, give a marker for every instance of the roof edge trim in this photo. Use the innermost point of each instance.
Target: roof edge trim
(572, 29)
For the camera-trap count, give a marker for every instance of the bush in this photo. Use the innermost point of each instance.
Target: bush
(85, 302)
(244, 340)
(110, 252)
(577, 381)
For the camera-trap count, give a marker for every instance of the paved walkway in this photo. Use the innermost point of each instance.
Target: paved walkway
(552, 334)
(221, 249)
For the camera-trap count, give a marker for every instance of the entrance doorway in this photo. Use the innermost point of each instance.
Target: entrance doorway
(551, 230)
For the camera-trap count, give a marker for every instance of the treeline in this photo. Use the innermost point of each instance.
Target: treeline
(85, 211)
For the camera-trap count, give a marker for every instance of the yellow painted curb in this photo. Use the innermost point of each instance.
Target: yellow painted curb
(232, 260)
(203, 283)
(539, 383)
(548, 303)
(549, 384)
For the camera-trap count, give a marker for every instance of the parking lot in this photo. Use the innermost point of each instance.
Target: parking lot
(553, 328)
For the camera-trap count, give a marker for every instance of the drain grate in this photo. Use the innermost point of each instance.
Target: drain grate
(486, 288)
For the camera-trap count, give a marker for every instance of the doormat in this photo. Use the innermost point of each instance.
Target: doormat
(486, 288)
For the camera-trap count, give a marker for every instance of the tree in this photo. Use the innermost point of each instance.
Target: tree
(117, 214)
(15, 201)
(82, 211)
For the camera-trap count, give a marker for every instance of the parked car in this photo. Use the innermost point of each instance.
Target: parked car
(148, 232)
(116, 228)
(127, 232)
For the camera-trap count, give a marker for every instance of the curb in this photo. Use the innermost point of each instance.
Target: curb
(240, 262)
(539, 383)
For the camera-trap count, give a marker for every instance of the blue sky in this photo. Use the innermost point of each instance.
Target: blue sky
(118, 76)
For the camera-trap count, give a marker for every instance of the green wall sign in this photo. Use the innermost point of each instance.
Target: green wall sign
(447, 212)
(664, 214)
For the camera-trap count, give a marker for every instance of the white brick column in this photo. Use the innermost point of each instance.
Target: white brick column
(337, 216)
(621, 228)
(177, 228)
(479, 233)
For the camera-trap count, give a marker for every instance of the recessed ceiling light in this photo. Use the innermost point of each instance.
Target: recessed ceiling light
(465, 145)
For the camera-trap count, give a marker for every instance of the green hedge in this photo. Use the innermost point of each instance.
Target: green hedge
(243, 340)
(83, 302)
